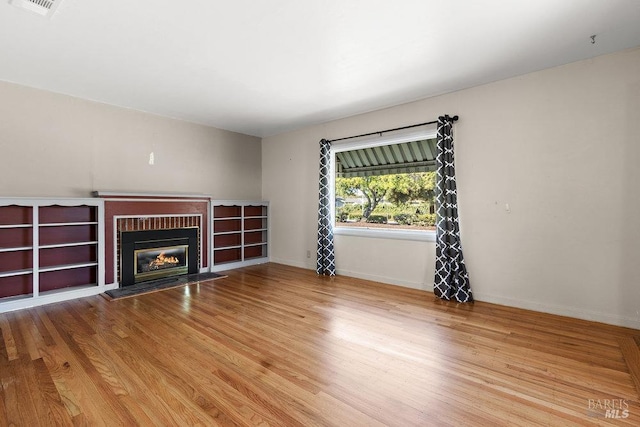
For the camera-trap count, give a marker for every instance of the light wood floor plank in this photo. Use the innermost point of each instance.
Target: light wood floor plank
(631, 353)
(9, 345)
(278, 345)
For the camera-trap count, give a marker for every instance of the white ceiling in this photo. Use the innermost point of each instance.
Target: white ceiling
(265, 67)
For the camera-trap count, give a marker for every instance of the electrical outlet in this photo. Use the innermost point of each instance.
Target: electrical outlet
(308, 254)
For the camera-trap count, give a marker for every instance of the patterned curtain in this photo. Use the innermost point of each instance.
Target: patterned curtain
(326, 256)
(451, 278)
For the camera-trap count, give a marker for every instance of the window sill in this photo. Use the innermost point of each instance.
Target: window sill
(420, 236)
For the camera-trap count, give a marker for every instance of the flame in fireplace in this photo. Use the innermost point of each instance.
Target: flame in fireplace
(162, 261)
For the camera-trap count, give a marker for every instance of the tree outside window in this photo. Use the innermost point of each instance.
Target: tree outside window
(395, 201)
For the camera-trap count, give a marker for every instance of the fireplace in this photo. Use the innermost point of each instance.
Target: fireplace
(160, 262)
(154, 254)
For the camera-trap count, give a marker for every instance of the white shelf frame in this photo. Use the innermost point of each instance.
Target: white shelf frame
(16, 225)
(222, 248)
(66, 267)
(243, 261)
(16, 249)
(226, 233)
(37, 297)
(69, 245)
(248, 245)
(66, 224)
(14, 273)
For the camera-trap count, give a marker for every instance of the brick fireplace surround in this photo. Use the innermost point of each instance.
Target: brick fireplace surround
(133, 213)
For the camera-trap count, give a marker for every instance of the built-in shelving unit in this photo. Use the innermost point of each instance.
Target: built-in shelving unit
(68, 246)
(54, 249)
(240, 234)
(16, 250)
(47, 247)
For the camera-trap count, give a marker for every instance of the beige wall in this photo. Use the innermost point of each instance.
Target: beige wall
(560, 146)
(56, 145)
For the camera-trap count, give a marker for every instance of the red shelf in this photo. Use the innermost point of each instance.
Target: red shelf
(16, 285)
(12, 215)
(255, 251)
(255, 224)
(68, 234)
(253, 237)
(66, 214)
(68, 278)
(255, 211)
(17, 260)
(225, 240)
(16, 237)
(68, 255)
(227, 255)
(225, 225)
(227, 211)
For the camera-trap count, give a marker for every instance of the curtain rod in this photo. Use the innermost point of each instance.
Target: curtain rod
(380, 132)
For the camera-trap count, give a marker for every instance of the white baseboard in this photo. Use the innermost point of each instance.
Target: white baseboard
(310, 265)
(386, 280)
(239, 264)
(576, 313)
(53, 297)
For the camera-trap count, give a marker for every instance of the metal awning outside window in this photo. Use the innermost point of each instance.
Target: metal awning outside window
(406, 157)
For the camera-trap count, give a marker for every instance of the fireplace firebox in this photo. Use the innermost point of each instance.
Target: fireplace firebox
(153, 254)
(160, 262)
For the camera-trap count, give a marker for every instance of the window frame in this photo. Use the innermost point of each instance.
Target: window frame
(428, 132)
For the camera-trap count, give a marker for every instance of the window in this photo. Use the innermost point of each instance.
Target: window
(385, 186)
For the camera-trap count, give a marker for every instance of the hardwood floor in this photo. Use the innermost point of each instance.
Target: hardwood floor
(277, 345)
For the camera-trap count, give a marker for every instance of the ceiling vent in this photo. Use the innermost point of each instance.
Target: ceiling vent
(41, 7)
